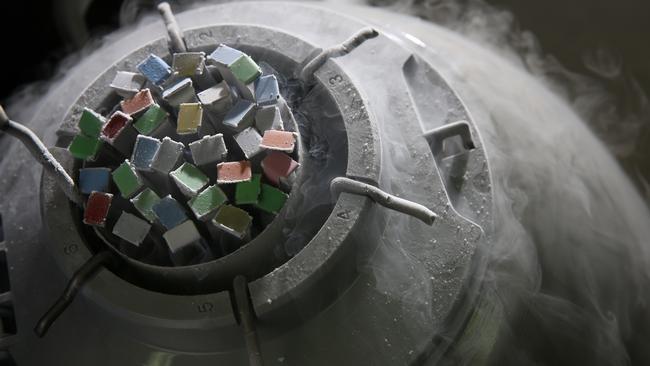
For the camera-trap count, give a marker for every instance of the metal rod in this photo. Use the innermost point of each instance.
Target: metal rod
(346, 185)
(342, 49)
(80, 277)
(247, 320)
(4, 119)
(173, 30)
(40, 152)
(460, 128)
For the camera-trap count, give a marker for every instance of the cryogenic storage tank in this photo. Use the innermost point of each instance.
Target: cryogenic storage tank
(446, 202)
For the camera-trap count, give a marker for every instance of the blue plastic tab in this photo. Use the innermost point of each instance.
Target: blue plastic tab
(240, 115)
(144, 152)
(169, 212)
(94, 179)
(155, 69)
(267, 91)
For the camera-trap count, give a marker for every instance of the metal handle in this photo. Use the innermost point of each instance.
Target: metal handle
(347, 185)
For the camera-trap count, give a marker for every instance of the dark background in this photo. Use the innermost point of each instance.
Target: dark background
(38, 33)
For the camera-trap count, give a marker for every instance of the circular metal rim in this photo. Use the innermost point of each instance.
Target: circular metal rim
(227, 263)
(109, 289)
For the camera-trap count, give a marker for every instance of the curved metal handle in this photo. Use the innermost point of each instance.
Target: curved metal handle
(342, 49)
(347, 185)
(40, 152)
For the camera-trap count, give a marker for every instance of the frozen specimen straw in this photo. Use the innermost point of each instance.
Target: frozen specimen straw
(41, 154)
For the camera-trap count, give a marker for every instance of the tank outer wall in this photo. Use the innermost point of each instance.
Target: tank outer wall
(360, 313)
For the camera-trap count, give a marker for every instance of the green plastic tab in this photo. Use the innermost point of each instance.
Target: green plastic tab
(91, 123)
(245, 69)
(144, 203)
(208, 201)
(189, 178)
(150, 120)
(247, 193)
(271, 199)
(84, 147)
(127, 180)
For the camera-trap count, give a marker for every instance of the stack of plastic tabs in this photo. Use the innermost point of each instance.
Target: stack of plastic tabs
(194, 153)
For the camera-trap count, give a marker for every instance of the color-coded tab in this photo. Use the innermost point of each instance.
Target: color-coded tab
(233, 220)
(245, 69)
(271, 199)
(144, 203)
(234, 172)
(127, 180)
(91, 123)
(224, 55)
(181, 92)
(155, 69)
(267, 91)
(144, 151)
(249, 142)
(207, 202)
(240, 116)
(217, 98)
(189, 179)
(115, 126)
(247, 193)
(279, 140)
(138, 103)
(184, 243)
(97, 207)
(131, 228)
(126, 84)
(278, 164)
(209, 150)
(151, 120)
(94, 179)
(268, 118)
(169, 156)
(188, 63)
(84, 147)
(169, 212)
(189, 120)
